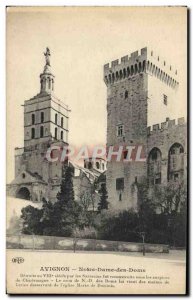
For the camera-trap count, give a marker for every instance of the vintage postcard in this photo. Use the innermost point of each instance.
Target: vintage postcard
(96, 150)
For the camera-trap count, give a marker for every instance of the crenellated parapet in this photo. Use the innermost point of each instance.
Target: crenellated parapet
(143, 61)
(165, 125)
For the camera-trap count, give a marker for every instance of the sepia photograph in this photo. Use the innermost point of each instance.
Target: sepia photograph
(96, 150)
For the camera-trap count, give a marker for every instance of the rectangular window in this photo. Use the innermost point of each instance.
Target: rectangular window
(33, 119)
(42, 117)
(120, 130)
(119, 184)
(165, 99)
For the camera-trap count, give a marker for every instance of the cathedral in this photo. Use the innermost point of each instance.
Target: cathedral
(142, 90)
(46, 126)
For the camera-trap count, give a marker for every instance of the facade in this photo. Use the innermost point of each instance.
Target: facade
(141, 93)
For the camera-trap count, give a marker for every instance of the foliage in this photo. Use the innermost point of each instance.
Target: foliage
(103, 203)
(59, 218)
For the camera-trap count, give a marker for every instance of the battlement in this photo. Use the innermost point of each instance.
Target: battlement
(165, 125)
(143, 61)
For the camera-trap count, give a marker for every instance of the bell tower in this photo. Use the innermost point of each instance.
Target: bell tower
(47, 78)
(45, 116)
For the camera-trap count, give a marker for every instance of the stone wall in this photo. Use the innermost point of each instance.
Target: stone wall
(65, 243)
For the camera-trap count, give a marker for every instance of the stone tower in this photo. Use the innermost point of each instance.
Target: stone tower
(141, 90)
(45, 125)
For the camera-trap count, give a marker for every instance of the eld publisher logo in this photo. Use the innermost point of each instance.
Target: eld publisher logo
(18, 260)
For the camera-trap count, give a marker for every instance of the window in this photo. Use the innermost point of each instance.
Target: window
(120, 130)
(23, 175)
(154, 166)
(126, 94)
(41, 131)
(157, 178)
(176, 162)
(61, 135)
(42, 117)
(33, 133)
(33, 119)
(56, 118)
(125, 154)
(165, 99)
(56, 133)
(120, 197)
(119, 184)
(97, 165)
(62, 122)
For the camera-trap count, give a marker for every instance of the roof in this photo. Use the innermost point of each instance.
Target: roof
(27, 177)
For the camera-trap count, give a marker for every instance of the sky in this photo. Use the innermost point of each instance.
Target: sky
(81, 41)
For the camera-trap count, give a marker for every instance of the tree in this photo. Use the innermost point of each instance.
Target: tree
(169, 198)
(103, 203)
(31, 220)
(66, 193)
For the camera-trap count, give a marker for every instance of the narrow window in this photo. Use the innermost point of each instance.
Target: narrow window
(41, 131)
(33, 133)
(62, 122)
(61, 135)
(97, 165)
(165, 100)
(119, 184)
(56, 118)
(56, 133)
(42, 117)
(126, 94)
(120, 197)
(33, 119)
(120, 130)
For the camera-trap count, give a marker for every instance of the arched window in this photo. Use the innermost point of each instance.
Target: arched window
(97, 165)
(144, 65)
(154, 166)
(56, 133)
(61, 135)
(128, 72)
(124, 73)
(132, 70)
(62, 122)
(113, 77)
(120, 74)
(176, 162)
(136, 70)
(33, 119)
(33, 133)
(41, 131)
(139, 67)
(42, 117)
(126, 94)
(49, 82)
(56, 118)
